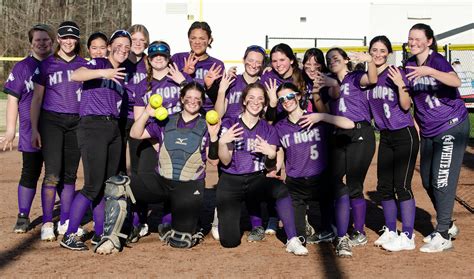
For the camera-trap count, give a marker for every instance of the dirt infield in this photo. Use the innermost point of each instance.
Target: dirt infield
(26, 256)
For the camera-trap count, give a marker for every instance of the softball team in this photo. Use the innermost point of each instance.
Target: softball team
(274, 141)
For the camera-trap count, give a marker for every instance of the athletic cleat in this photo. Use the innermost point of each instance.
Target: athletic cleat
(62, 228)
(437, 244)
(47, 232)
(387, 236)
(22, 223)
(106, 248)
(134, 235)
(400, 242)
(358, 239)
(343, 247)
(272, 226)
(143, 230)
(324, 236)
(73, 242)
(295, 246)
(95, 239)
(257, 234)
(164, 232)
(453, 232)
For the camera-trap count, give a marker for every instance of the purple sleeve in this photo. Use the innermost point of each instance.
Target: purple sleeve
(140, 91)
(357, 77)
(154, 130)
(272, 136)
(94, 64)
(15, 82)
(441, 64)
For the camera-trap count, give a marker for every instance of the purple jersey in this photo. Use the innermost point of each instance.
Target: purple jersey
(244, 159)
(233, 95)
(166, 88)
(61, 94)
(156, 130)
(20, 85)
(305, 150)
(352, 102)
(201, 69)
(101, 96)
(136, 72)
(385, 106)
(438, 107)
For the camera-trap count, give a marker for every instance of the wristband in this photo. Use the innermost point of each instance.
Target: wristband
(213, 150)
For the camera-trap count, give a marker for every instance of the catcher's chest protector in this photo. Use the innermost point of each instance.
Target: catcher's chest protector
(180, 155)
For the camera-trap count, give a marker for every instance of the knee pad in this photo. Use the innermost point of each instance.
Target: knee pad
(184, 240)
(117, 208)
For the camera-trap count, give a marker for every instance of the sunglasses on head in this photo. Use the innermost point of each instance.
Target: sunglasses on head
(120, 33)
(160, 48)
(288, 97)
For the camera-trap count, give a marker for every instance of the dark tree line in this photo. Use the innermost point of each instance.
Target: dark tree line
(17, 17)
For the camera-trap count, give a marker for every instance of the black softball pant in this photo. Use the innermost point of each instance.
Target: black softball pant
(232, 190)
(302, 191)
(440, 165)
(396, 162)
(351, 154)
(185, 198)
(100, 143)
(133, 153)
(31, 169)
(59, 147)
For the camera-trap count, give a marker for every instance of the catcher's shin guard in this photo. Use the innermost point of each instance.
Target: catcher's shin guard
(117, 191)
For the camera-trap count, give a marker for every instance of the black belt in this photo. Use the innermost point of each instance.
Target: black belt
(361, 124)
(101, 117)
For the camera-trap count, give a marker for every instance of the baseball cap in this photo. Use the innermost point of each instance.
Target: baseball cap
(68, 28)
(120, 33)
(159, 48)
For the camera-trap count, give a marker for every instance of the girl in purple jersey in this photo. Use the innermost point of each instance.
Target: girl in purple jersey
(351, 150)
(247, 147)
(284, 69)
(98, 134)
(444, 128)
(97, 45)
(163, 79)
(390, 107)
(197, 63)
(318, 83)
(19, 87)
(304, 140)
(232, 85)
(54, 123)
(186, 143)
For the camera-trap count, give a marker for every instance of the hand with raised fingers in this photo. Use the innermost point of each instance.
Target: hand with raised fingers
(226, 81)
(271, 86)
(418, 71)
(396, 76)
(360, 57)
(190, 63)
(114, 74)
(175, 74)
(308, 120)
(232, 134)
(262, 146)
(212, 75)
